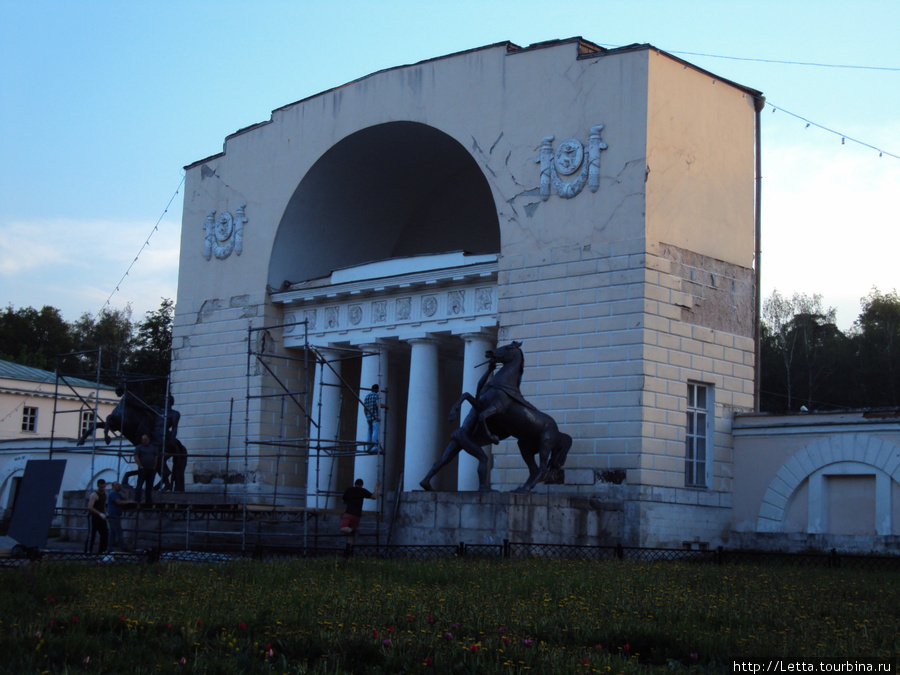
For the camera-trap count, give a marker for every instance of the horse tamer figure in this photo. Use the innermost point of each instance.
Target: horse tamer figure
(499, 411)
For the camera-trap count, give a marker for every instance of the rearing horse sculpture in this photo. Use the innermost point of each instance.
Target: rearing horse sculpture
(499, 411)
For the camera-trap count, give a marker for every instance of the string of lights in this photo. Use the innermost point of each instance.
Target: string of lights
(844, 137)
(145, 245)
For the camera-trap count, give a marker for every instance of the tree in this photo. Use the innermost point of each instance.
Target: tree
(152, 355)
(34, 337)
(800, 348)
(877, 338)
(112, 334)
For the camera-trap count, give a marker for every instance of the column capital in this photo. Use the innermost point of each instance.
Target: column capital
(483, 336)
(423, 341)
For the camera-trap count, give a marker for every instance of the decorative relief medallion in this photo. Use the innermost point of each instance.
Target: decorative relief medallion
(290, 321)
(379, 311)
(404, 307)
(484, 300)
(310, 316)
(566, 169)
(455, 300)
(429, 305)
(354, 314)
(224, 234)
(331, 318)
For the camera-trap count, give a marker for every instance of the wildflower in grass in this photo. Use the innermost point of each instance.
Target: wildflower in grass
(168, 625)
(473, 648)
(586, 661)
(528, 642)
(386, 643)
(390, 629)
(502, 629)
(199, 623)
(694, 656)
(448, 635)
(183, 661)
(598, 647)
(38, 635)
(122, 618)
(627, 647)
(87, 660)
(429, 661)
(453, 626)
(75, 619)
(505, 640)
(50, 598)
(51, 623)
(242, 625)
(374, 634)
(430, 618)
(410, 618)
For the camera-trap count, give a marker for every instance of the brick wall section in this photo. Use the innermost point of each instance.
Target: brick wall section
(209, 368)
(611, 338)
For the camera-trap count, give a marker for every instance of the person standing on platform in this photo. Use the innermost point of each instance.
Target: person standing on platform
(372, 406)
(146, 456)
(115, 502)
(353, 498)
(97, 512)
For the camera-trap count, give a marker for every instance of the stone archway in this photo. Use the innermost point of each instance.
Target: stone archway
(392, 190)
(837, 450)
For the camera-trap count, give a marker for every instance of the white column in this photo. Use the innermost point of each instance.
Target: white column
(476, 344)
(422, 426)
(373, 370)
(322, 472)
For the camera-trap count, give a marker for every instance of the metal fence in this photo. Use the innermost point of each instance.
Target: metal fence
(216, 553)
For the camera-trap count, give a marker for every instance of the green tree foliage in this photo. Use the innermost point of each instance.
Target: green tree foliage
(877, 340)
(152, 353)
(110, 337)
(34, 337)
(806, 361)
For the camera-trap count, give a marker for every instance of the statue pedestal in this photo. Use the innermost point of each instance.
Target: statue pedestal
(447, 518)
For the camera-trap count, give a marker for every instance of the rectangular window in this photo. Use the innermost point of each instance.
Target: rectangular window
(29, 418)
(698, 438)
(87, 419)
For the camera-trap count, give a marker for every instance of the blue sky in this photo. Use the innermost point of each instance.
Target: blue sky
(102, 103)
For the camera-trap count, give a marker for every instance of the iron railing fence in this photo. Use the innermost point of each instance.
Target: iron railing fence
(218, 552)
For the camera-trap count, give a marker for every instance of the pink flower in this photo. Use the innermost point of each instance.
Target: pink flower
(50, 598)
(694, 656)
(429, 661)
(528, 642)
(585, 661)
(502, 629)
(271, 653)
(87, 660)
(183, 661)
(168, 625)
(453, 626)
(390, 629)
(410, 618)
(75, 619)
(627, 647)
(242, 625)
(374, 634)
(598, 647)
(51, 623)
(386, 643)
(505, 640)
(122, 618)
(430, 618)
(448, 635)
(473, 648)
(38, 635)
(199, 623)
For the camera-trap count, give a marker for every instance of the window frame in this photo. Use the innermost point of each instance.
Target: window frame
(699, 442)
(29, 419)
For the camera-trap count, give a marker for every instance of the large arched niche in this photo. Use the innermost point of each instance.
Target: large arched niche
(392, 190)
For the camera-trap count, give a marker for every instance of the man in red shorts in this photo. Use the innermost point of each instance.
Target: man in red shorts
(353, 498)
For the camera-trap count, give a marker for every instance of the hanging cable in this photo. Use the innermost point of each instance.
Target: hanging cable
(146, 244)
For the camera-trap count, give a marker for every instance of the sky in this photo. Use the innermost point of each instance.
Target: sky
(103, 103)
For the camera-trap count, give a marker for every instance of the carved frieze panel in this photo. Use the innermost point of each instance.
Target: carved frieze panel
(387, 313)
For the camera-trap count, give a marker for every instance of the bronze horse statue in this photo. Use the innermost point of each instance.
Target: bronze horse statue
(133, 417)
(499, 411)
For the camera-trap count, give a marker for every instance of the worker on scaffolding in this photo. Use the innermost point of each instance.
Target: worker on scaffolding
(372, 406)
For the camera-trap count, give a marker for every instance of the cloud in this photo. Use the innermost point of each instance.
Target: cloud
(76, 265)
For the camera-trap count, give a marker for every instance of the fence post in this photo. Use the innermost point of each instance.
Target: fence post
(507, 549)
(833, 560)
(461, 549)
(720, 555)
(620, 551)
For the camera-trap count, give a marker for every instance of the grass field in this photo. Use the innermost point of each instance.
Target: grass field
(448, 615)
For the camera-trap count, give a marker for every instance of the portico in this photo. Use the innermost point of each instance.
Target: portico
(429, 317)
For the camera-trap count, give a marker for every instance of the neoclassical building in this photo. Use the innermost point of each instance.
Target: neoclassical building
(598, 205)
